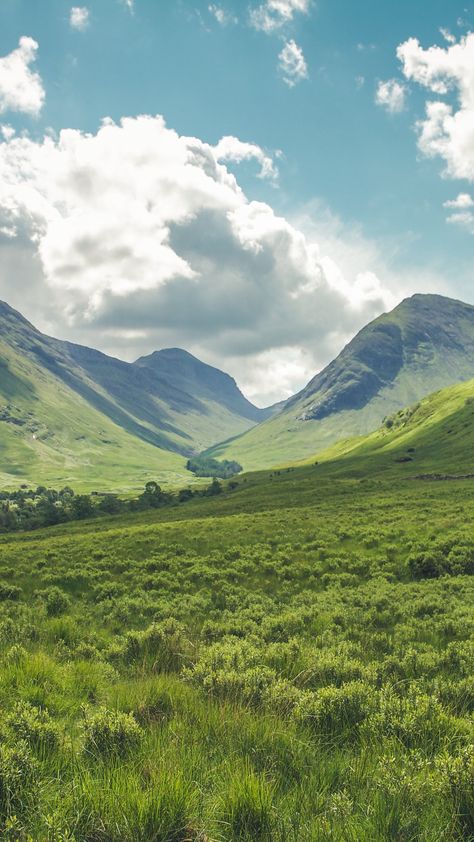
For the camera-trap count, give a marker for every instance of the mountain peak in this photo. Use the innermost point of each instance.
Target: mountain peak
(209, 383)
(424, 344)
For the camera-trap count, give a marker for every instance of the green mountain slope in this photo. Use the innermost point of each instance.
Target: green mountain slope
(72, 414)
(432, 438)
(424, 344)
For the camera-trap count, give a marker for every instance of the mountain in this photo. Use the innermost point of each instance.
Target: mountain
(432, 438)
(73, 414)
(424, 344)
(183, 371)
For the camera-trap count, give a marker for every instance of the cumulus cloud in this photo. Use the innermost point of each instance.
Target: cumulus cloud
(292, 64)
(272, 15)
(79, 18)
(447, 131)
(391, 95)
(234, 150)
(21, 88)
(465, 219)
(461, 202)
(222, 16)
(136, 237)
(461, 211)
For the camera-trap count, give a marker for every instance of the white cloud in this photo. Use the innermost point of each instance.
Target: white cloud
(391, 95)
(292, 64)
(7, 131)
(447, 131)
(136, 228)
(463, 215)
(447, 35)
(8, 231)
(79, 18)
(21, 88)
(465, 219)
(130, 5)
(274, 14)
(222, 16)
(234, 150)
(462, 201)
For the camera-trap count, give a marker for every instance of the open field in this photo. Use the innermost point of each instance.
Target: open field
(288, 661)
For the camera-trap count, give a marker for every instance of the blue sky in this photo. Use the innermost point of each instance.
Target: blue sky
(351, 172)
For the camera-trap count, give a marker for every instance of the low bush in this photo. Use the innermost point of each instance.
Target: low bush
(111, 733)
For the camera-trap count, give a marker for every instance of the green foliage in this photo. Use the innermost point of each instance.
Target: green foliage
(205, 466)
(111, 733)
(248, 807)
(17, 773)
(56, 601)
(334, 710)
(34, 726)
(267, 664)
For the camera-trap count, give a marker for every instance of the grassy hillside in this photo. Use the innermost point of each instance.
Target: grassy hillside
(51, 435)
(433, 436)
(289, 661)
(72, 415)
(426, 343)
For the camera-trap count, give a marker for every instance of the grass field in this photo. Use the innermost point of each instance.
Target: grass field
(291, 660)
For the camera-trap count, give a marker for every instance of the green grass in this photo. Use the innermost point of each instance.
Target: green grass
(289, 661)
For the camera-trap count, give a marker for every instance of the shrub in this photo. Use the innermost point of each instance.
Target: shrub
(233, 668)
(334, 710)
(426, 565)
(9, 592)
(56, 601)
(17, 772)
(110, 732)
(458, 779)
(416, 720)
(160, 648)
(34, 726)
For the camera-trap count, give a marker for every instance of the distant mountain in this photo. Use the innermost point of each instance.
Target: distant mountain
(188, 374)
(71, 413)
(424, 344)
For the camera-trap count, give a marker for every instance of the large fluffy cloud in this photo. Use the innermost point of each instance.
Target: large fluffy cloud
(447, 130)
(137, 237)
(21, 88)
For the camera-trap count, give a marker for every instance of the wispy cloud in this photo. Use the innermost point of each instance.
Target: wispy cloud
(292, 64)
(79, 18)
(222, 16)
(272, 15)
(391, 95)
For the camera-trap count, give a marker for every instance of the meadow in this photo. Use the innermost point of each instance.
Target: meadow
(289, 660)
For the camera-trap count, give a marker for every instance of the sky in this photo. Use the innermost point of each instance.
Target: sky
(252, 180)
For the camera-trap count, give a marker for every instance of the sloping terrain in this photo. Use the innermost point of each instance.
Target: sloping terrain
(424, 344)
(432, 438)
(288, 660)
(73, 414)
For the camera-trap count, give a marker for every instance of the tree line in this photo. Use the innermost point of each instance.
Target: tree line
(26, 508)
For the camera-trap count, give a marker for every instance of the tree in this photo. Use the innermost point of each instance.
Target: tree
(81, 506)
(214, 488)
